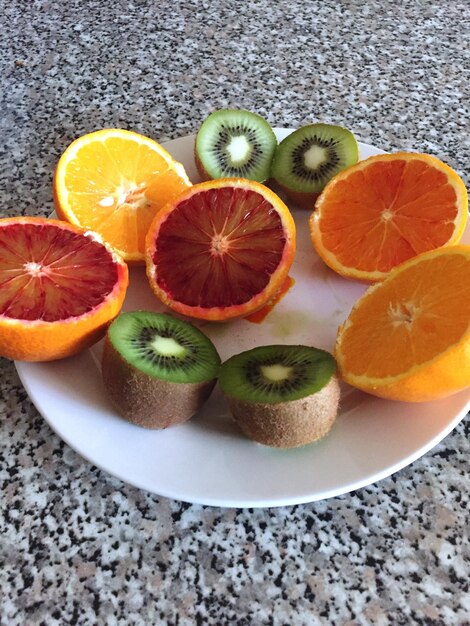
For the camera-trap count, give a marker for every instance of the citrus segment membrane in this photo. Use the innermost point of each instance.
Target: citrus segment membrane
(60, 287)
(221, 250)
(224, 257)
(408, 337)
(114, 181)
(413, 212)
(412, 320)
(52, 274)
(385, 210)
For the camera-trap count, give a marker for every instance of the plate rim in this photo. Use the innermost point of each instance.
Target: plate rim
(268, 502)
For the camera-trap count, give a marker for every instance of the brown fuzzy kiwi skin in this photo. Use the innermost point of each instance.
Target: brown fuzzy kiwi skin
(301, 199)
(200, 167)
(147, 401)
(289, 424)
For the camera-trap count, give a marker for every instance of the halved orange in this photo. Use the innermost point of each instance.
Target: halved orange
(408, 337)
(114, 182)
(60, 287)
(385, 210)
(221, 250)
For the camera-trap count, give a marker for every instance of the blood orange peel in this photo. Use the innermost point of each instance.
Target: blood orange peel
(60, 287)
(221, 250)
(261, 314)
(386, 209)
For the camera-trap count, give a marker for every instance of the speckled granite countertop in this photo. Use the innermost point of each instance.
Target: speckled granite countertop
(80, 547)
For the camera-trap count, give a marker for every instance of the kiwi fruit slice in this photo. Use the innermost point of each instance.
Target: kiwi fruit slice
(235, 144)
(157, 369)
(309, 157)
(283, 396)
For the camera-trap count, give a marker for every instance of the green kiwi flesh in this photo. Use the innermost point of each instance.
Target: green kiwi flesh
(157, 369)
(282, 396)
(309, 157)
(235, 143)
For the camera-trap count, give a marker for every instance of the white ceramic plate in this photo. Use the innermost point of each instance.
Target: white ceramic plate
(207, 460)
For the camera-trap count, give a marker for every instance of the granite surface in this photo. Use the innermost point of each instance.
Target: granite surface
(80, 547)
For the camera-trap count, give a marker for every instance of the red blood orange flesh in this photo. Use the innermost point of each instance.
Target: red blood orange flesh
(221, 250)
(60, 287)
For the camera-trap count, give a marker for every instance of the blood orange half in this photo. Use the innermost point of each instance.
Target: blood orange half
(221, 250)
(60, 287)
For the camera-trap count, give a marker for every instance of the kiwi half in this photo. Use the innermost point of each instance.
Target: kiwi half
(157, 369)
(283, 396)
(235, 144)
(309, 157)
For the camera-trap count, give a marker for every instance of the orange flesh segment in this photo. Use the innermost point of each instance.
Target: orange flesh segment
(411, 319)
(228, 242)
(397, 209)
(51, 274)
(117, 186)
(259, 316)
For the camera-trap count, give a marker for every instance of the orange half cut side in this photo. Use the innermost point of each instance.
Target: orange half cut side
(408, 337)
(221, 250)
(114, 181)
(60, 287)
(385, 210)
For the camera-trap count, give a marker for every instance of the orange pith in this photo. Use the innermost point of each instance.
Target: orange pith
(221, 250)
(114, 182)
(385, 210)
(408, 337)
(60, 287)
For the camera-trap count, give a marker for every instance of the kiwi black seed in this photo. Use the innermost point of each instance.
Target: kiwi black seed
(307, 159)
(283, 396)
(157, 369)
(235, 144)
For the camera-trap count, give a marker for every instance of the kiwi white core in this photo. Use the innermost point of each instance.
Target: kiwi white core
(239, 149)
(276, 372)
(167, 346)
(314, 157)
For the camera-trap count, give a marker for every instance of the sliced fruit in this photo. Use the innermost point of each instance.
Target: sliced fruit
(235, 143)
(157, 370)
(259, 316)
(221, 250)
(283, 396)
(309, 157)
(114, 182)
(408, 337)
(385, 210)
(60, 287)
